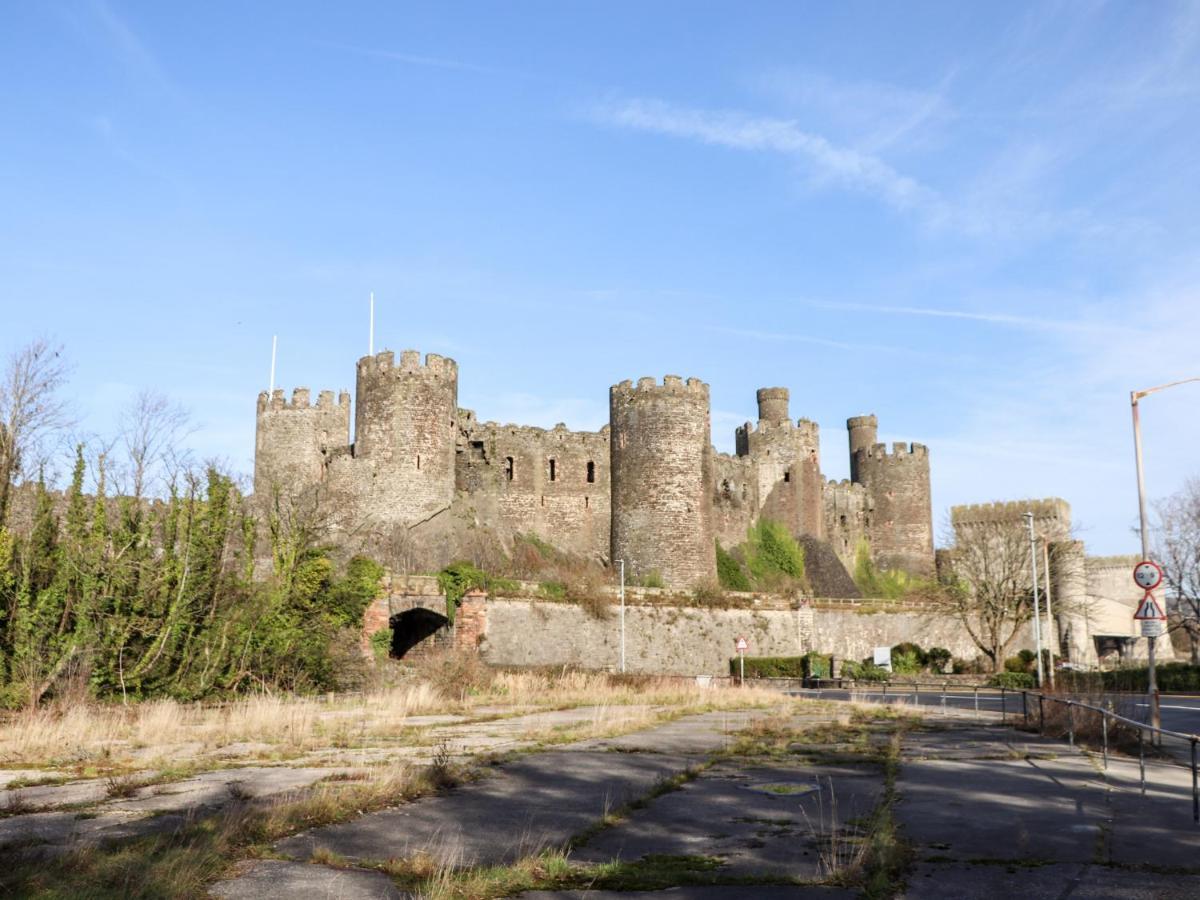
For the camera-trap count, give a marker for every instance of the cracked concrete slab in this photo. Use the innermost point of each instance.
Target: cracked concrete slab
(273, 879)
(219, 787)
(932, 881)
(705, 892)
(525, 806)
(702, 734)
(775, 820)
(1155, 829)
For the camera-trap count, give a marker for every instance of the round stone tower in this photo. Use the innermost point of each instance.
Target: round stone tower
(293, 440)
(404, 435)
(773, 405)
(864, 431)
(661, 469)
(899, 517)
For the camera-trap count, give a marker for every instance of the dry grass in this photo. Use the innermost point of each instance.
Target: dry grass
(160, 731)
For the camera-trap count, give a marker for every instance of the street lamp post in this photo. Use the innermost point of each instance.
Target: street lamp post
(1134, 397)
(1037, 612)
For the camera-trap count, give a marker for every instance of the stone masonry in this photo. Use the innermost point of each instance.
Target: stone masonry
(648, 488)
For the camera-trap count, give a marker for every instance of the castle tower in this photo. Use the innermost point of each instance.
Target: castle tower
(661, 470)
(404, 435)
(899, 517)
(293, 440)
(864, 432)
(773, 405)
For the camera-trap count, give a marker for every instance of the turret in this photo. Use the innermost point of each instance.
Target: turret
(661, 469)
(405, 431)
(863, 433)
(899, 524)
(773, 405)
(293, 440)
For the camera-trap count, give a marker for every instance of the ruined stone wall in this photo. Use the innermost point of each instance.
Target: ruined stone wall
(735, 498)
(293, 440)
(1051, 516)
(405, 431)
(899, 520)
(662, 480)
(553, 483)
(846, 510)
(693, 641)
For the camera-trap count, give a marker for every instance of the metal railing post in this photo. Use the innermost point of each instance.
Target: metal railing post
(943, 698)
(1195, 788)
(1142, 759)
(1041, 715)
(1071, 722)
(916, 693)
(976, 701)
(1104, 723)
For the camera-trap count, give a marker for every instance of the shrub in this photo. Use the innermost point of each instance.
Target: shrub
(455, 580)
(908, 659)
(772, 554)
(1174, 676)
(381, 643)
(1012, 680)
(864, 671)
(729, 571)
(553, 590)
(938, 659)
(770, 666)
(652, 579)
(817, 665)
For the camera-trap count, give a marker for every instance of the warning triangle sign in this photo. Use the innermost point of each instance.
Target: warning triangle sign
(1149, 609)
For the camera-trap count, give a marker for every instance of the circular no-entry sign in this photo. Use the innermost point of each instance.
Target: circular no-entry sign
(1147, 575)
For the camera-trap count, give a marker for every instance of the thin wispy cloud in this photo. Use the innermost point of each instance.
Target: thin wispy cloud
(843, 166)
(1033, 323)
(411, 59)
(783, 337)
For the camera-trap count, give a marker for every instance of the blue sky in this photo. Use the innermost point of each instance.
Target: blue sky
(976, 220)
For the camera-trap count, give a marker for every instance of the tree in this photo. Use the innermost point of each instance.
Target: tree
(986, 584)
(151, 431)
(31, 410)
(1177, 549)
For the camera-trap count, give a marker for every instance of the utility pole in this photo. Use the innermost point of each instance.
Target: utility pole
(1037, 611)
(622, 562)
(1052, 629)
(371, 328)
(1134, 397)
(274, 347)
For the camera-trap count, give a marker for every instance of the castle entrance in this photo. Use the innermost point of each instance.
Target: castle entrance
(412, 627)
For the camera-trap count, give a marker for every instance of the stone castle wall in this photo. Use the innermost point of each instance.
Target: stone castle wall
(648, 488)
(662, 480)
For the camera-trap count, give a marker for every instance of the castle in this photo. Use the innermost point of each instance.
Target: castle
(648, 489)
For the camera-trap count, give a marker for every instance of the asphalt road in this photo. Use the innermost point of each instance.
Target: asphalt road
(1180, 712)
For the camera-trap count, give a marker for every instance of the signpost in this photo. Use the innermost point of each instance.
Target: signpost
(1147, 575)
(741, 645)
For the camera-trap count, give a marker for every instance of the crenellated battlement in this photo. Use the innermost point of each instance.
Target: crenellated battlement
(1048, 508)
(559, 432)
(302, 401)
(384, 363)
(671, 384)
(899, 451)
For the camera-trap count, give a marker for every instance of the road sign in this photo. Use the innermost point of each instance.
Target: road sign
(741, 644)
(1147, 574)
(1153, 628)
(1149, 610)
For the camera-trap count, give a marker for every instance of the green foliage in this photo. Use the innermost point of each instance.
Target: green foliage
(770, 666)
(652, 579)
(133, 600)
(817, 665)
(938, 659)
(1172, 676)
(730, 573)
(864, 671)
(1024, 661)
(890, 584)
(773, 558)
(381, 643)
(1012, 680)
(455, 580)
(908, 659)
(553, 590)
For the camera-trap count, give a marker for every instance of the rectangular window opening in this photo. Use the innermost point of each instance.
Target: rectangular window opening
(591, 473)
(508, 467)
(787, 476)
(552, 468)
(586, 503)
(418, 461)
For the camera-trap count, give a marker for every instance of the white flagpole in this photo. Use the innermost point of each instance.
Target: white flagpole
(371, 336)
(274, 346)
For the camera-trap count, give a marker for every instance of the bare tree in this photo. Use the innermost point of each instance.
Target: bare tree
(151, 431)
(1177, 540)
(987, 585)
(31, 410)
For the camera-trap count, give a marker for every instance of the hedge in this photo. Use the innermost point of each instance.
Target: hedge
(1172, 676)
(1014, 680)
(770, 667)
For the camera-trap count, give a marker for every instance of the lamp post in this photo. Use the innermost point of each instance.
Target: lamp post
(622, 562)
(1134, 397)
(1037, 612)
